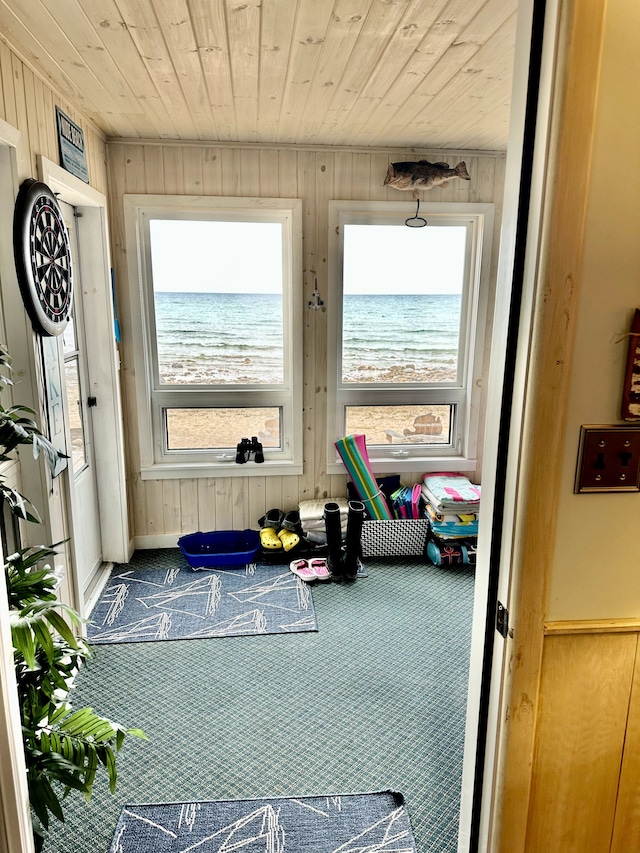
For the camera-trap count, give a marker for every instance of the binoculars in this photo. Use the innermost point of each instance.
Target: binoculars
(246, 449)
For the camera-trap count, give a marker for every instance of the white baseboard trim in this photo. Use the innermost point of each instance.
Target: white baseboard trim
(161, 540)
(100, 581)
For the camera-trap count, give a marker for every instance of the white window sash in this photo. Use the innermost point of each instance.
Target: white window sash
(157, 462)
(464, 393)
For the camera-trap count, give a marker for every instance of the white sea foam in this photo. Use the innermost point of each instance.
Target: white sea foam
(237, 338)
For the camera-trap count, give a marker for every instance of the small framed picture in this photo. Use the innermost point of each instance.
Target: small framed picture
(631, 390)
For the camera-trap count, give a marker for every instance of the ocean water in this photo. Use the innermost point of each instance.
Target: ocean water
(229, 337)
(219, 337)
(400, 338)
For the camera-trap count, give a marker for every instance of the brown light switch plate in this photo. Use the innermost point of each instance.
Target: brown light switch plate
(608, 459)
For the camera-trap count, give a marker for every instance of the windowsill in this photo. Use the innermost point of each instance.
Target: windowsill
(401, 464)
(195, 470)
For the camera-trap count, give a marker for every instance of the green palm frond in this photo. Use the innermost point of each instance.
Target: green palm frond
(83, 739)
(26, 582)
(20, 506)
(62, 746)
(18, 427)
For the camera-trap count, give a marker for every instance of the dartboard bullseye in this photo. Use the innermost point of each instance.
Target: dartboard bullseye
(43, 258)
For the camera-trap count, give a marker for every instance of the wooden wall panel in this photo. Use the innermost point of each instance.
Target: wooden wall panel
(316, 175)
(549, 357)
(28, 104)
(584, 698)
(626, 831)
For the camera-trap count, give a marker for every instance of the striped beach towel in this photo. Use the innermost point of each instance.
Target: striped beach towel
(353, 452)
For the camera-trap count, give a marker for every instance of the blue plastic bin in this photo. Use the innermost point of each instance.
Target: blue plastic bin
(220, 548)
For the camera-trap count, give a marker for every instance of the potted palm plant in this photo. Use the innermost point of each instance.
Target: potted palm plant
(64, 748)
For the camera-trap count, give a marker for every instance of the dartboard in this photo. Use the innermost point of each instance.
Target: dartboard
(43, 258)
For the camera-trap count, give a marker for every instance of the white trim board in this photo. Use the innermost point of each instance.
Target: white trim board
(104, 378)
(15, 821)
(161, 540)
(501, 672)
(153, 397)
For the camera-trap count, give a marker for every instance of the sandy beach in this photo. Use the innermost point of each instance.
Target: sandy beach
(219, 428)
(223, 428)
(202, 428)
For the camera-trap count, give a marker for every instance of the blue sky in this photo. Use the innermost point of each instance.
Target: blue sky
(398, 259)
(245, 257)
(216, 257)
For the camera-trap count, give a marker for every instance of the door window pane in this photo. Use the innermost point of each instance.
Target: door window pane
(402, 303)
(76, 423)
(217, 291)
(69, 341)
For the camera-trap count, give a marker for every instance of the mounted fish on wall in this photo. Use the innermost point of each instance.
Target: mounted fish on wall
(423, 175)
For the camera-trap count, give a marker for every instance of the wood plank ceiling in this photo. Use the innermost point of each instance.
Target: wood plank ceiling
(361, 73)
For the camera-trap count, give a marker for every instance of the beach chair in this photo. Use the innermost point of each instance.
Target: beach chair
(424, 426)
(270, 435)
(271, 428)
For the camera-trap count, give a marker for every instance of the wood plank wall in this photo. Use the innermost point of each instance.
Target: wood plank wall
(588, 728)
(161, 507)
(28, 104)
(585, 791)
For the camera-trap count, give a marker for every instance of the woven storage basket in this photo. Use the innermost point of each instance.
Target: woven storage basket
(395, 537)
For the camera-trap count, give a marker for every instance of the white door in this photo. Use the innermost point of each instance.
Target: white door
(85, 519)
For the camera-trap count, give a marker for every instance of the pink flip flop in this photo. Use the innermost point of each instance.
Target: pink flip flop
(320, 569)
(302, 569)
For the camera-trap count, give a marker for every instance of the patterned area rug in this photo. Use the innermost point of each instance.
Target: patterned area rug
(352, 823)
(157, 597)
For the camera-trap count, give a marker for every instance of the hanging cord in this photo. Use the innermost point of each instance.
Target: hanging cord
(416, 221)
(316, 302)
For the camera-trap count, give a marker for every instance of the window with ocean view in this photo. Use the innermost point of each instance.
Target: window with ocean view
(217, 312)
(402, 298)
(211, 300)
(407, 328)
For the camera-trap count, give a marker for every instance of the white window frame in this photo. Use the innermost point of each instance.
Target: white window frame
(156, 461)
(460, 454)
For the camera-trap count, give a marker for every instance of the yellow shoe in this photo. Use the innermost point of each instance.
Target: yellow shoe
(288, 538)
(269, 539)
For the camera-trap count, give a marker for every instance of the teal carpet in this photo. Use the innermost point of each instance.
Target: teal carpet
(374, 701)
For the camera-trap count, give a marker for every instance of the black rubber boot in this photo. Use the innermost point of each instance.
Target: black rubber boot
(333, 528)
(353, 553)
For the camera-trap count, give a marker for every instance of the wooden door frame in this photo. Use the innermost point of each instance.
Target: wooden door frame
(15, 822)
(555, 264)
(527, 392)
(15, 819)
(551, 285)
(525, 181)
(103, 361)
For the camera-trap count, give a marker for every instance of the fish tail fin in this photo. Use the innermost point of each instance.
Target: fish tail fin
(461, 170)
(390, 174)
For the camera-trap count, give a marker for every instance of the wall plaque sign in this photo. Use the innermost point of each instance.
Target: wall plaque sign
(71, 142)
